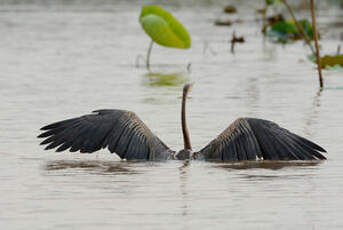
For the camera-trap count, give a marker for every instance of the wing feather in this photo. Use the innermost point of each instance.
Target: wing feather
(120, 131)
(251, 139)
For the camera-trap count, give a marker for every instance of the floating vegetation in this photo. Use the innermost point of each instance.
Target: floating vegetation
(335, 67)
(270, 2)
(275, 18)
(170, 79)
(334, 88)
(163, 29)
(263, 11)
(286, 30)
(283, 31)
(230, 9)
(227, 22)
(332, 62)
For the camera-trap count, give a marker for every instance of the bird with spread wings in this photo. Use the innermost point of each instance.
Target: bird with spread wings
(123, 133)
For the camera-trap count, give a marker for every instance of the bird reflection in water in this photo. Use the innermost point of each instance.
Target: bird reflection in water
(250, 170)
(273, 165)
(314, 113)
(183, 169)
(94, 166)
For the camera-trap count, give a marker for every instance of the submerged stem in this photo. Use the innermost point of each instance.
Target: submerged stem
(148, 55)
(316, 44)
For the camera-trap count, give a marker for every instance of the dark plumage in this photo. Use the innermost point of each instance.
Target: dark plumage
(120, 131)
(124, 133)
(251, 139)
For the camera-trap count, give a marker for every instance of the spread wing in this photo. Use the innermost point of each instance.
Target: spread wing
(120, 131)
(251, 139)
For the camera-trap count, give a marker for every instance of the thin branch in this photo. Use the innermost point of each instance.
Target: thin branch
(235, 40)
(299, 26)
(316, 44)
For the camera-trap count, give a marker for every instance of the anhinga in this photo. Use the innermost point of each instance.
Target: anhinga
(125, 134)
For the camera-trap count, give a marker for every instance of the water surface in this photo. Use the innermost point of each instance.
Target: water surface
(63, 59)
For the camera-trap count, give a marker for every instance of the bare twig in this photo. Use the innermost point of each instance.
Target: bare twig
(316, 44)
(235, 40)
(299, 26)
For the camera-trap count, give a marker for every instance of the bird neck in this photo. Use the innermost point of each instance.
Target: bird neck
(185, 132)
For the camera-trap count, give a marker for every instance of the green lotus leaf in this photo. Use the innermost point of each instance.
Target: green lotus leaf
(331, 61)
(163, 28)
(285, 31)
(307, 28)
(270, 2)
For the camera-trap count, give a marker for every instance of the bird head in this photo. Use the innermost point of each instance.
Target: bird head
(187, 87)
(183, 154)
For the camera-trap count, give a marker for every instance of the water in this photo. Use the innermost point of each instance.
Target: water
(61, 59)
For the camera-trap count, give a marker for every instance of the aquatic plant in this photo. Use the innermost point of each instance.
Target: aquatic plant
(294, 29)
(329, 61)
(320, 76)
(299, 26)
(163, 29)
(282, 30)
(286, 30)
(169, 79)
(230, 9)
(263, 12)
(219, 22)
(270, 2)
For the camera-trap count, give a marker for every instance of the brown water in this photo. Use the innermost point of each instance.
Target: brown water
(60, 59)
